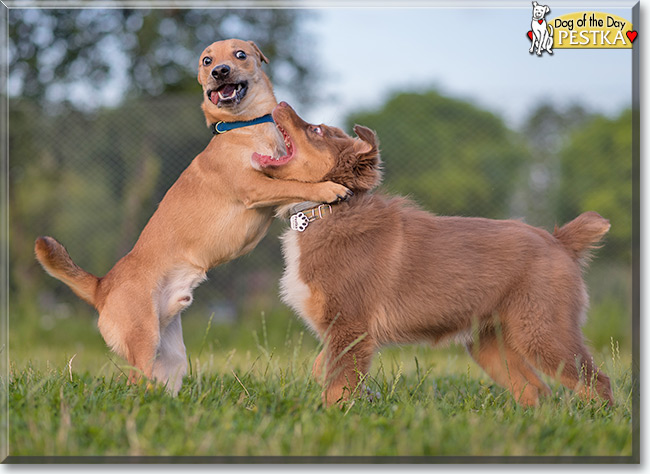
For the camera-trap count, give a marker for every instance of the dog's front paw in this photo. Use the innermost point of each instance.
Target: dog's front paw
(330, 192)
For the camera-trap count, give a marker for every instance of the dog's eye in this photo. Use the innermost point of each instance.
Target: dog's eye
(207, 61)
(240, 55)
(316, 129)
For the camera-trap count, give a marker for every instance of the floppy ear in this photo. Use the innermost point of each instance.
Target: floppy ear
(358, 166)
(368, 164)
(263, 58)
(535, 4)
(198, 74)
(548, 10)
(366, 142)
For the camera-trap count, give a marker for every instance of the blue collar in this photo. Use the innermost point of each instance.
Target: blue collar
(223, 127)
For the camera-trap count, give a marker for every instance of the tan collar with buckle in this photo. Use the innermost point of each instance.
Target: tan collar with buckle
(305, 212)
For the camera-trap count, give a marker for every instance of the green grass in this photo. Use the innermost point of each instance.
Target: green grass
(250, 393)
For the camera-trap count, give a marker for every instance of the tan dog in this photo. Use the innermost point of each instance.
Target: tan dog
(377, 270)
(219, 209)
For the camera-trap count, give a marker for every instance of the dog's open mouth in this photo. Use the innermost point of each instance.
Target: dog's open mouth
(228, 94)
(266, 161)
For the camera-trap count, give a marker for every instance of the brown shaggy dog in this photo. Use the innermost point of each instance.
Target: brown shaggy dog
(378, 270)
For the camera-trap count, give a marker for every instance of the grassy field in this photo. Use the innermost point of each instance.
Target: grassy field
(249, 393)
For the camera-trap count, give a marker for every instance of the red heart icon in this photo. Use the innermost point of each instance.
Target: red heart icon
(540, 21)
(631, 35)
(530, 35)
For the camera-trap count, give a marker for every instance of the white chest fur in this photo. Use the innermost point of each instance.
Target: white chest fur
(293, 290)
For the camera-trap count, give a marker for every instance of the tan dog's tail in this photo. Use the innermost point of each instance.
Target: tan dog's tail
(57, 262)
(582, 234)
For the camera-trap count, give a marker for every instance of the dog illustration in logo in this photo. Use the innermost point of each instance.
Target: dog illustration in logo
(541, 36)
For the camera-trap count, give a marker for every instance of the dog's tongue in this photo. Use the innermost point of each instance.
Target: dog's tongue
(225, 92)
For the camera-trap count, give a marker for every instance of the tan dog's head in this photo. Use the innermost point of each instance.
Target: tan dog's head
(234, 85)
(318, 153)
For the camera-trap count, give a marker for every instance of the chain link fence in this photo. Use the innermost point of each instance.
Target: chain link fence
(93, 180)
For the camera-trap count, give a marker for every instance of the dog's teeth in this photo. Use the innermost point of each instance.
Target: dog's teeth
(223, 97)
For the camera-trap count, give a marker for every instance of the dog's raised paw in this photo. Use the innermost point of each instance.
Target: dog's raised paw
(333, 192)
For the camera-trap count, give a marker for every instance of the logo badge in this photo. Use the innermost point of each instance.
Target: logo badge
(541, 33)
(579, 30)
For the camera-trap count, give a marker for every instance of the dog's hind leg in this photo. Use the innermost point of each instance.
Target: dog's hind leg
(507, 368)
(547, 334)
(572, 363)
(130, 327)
(170, 365)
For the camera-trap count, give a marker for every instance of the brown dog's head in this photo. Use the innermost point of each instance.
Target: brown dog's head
(234, 85)
(318, 153)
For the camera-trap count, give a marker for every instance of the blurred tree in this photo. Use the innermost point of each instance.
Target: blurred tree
(596, 175)
(451, 156)
(547, 128)
(74, 55)
(546, 131)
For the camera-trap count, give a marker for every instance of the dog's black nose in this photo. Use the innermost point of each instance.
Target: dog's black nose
(221, 71)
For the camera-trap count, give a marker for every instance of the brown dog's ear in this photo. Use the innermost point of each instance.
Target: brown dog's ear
(367, 140)
(358, 166)
(367, 166)
(263, 58)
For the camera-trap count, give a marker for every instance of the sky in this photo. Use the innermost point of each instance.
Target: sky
(477, 54)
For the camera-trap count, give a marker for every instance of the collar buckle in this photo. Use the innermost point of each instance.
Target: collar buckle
(320, 210)
(301, 219)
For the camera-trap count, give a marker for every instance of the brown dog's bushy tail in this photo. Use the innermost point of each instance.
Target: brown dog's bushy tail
(57, 262)
(582, 234)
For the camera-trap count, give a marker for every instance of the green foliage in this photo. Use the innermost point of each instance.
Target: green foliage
(596, 174)
(610, 312)
(95, 194)
(56, 52)
(449, 155)
(545, 132)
